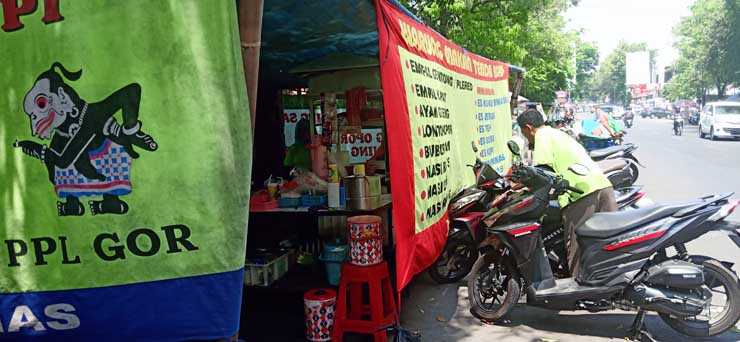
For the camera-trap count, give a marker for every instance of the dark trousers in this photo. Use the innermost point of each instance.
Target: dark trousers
(576, 213)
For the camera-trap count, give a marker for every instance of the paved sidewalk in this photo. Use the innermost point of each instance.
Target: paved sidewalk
(442, 313)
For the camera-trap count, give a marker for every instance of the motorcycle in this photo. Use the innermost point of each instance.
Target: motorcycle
(628, 119)
(460, 251)
(619, 175)
(624, 263)
(618, 171)
(625, 152)
(467, 208)
(677, 124)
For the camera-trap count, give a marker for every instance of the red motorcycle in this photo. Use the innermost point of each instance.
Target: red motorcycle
(467, 208)
(460, 251)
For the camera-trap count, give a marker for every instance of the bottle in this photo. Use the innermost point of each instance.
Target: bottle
(342, 195)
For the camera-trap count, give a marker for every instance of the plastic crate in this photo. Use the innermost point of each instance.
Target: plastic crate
(311, 200)
(289, 202)
(596, 143)
(264, 274)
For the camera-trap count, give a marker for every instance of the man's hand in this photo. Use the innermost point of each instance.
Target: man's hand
(129, 137)
(521, 173)
(30, 148)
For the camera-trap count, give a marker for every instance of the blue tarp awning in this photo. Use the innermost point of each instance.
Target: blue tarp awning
(295, 32)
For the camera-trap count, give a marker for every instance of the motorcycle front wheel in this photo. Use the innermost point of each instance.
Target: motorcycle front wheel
(725, 303)
(493, 288)
(456, 260)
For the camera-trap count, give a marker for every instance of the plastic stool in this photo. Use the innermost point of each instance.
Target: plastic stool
(359, 316)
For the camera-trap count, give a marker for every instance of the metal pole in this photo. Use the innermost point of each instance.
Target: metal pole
(250, 31)
(514, 103)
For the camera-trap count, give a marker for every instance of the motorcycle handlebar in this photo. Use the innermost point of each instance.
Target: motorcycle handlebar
(572, 189)
(533, 176)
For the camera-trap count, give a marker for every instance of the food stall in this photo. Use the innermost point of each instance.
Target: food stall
(361, 109)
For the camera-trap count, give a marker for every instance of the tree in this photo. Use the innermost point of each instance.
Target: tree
(733, 39)
(684, 84)
(707, 42)
(587, 60)
(528, 33)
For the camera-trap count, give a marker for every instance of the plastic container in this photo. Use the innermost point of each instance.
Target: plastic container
(333, 256)
(596, 143)
(312, 200)
(263, 206)
(333, 173)
(333, 195)
(365, 240)
(264, 272)
(289, 202)
(319, 306)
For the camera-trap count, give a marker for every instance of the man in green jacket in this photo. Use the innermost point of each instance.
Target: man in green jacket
(557, 151)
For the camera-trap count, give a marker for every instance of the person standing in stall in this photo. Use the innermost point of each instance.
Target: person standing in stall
(298, 155)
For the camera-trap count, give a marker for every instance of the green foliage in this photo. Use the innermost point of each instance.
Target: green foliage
(684, 84)
(527, 33)
(709, 49)
(587, 60)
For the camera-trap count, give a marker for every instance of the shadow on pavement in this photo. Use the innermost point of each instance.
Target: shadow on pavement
(612, 324)
(442, 313)
(430, 308)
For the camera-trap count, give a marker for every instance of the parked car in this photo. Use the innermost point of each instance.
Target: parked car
(659, 113)
(720, 120)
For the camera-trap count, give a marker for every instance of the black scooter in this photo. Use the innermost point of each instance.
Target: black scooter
(624, 151)
(467, 207)
(624, 262)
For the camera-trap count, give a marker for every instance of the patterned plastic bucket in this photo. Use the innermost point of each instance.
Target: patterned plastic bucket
(319, 305)
(365, 240)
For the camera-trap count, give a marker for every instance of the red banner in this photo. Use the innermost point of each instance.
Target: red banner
(438, 98)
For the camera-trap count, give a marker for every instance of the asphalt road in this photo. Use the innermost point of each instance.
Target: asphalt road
(684, 167)
(677, 168)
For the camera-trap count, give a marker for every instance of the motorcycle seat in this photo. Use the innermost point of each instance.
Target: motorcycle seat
(611, 165)
(604, 225)
(604, 152)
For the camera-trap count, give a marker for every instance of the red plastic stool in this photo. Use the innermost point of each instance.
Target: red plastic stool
(359, 315)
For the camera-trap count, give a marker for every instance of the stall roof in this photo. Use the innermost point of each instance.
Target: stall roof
(295, 32)
(336, 61)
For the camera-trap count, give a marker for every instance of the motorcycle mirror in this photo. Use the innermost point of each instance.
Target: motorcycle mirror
(475, 149)
(513, 147)
(579, 169)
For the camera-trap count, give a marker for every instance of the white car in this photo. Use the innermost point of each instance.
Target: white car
(720, 120)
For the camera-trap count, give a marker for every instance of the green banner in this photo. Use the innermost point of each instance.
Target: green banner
(125, 143)
(451, 111)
